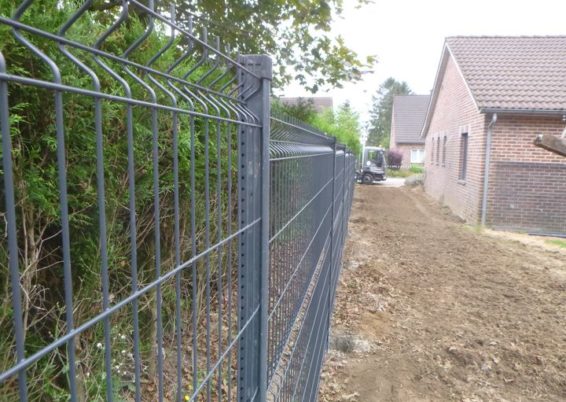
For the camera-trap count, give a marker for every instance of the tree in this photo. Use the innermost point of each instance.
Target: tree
(380, 113)
(303, 110)
(344, 124)
(296, 33)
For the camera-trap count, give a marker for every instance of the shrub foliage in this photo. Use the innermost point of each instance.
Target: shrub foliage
(39, 227)
(394, 158)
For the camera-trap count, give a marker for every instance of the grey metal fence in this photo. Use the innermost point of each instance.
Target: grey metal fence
(165, 237)
(311, 193)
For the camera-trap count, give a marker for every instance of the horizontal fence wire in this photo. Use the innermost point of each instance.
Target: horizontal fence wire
(131, 194)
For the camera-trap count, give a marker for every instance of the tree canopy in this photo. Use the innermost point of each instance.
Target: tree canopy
(380, 113)
(296, 33)
(343, 124)
(303, 110)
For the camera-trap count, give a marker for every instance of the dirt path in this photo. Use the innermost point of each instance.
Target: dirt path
(430, 310)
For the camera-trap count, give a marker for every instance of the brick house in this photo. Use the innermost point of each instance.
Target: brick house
(491, 97)
(407, 118)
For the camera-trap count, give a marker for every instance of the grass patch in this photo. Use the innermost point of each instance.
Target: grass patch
(417, 169)
(398, 173)
(556, 242)
(414, 169)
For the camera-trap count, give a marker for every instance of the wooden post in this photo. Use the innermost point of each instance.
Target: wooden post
(551, 143)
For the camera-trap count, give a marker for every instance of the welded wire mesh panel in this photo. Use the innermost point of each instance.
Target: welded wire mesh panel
(129, 218)
(299, 377)
(339, 222)
(310, 175)
(154, 248)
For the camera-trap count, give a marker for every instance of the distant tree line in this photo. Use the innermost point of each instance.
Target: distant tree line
(342, 123)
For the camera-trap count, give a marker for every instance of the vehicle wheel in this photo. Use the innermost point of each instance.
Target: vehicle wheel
(367, 179)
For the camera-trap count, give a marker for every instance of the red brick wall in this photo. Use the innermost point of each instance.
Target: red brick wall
(455, 112)
(406, 151)
(528, 196)
(527, 189)
(513, 138)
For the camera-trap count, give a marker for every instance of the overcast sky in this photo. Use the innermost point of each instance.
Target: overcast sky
(407, 36)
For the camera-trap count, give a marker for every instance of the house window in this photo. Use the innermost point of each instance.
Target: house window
(417, 155)
(437, 150)
(444, 151)
(432, 152)
(463, 156)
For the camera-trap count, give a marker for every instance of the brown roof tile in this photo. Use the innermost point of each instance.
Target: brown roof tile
(513, 73)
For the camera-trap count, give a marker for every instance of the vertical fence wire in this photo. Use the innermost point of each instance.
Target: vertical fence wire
(166, 238)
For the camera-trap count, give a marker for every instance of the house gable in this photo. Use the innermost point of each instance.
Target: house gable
(452, 113)
(446, 59)
(510, 76)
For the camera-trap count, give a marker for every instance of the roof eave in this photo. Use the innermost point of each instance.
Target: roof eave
(530, 112)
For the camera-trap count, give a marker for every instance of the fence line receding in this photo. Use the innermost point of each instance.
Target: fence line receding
(164, 237)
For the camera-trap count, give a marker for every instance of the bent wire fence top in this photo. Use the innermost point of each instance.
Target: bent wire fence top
(165, 238)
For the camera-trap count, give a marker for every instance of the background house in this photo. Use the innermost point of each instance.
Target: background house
(408, 116)
(491, 97)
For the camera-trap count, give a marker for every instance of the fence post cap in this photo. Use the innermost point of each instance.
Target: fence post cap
(259, 64)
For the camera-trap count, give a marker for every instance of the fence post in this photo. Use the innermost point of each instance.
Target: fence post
(332, 218)
(258, 101)
(345, 199)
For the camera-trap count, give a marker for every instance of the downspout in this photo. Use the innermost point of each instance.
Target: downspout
(487, 166)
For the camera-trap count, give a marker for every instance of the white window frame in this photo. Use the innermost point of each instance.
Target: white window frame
(420, 155)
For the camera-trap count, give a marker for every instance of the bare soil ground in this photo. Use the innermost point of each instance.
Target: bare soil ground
(429, 309)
